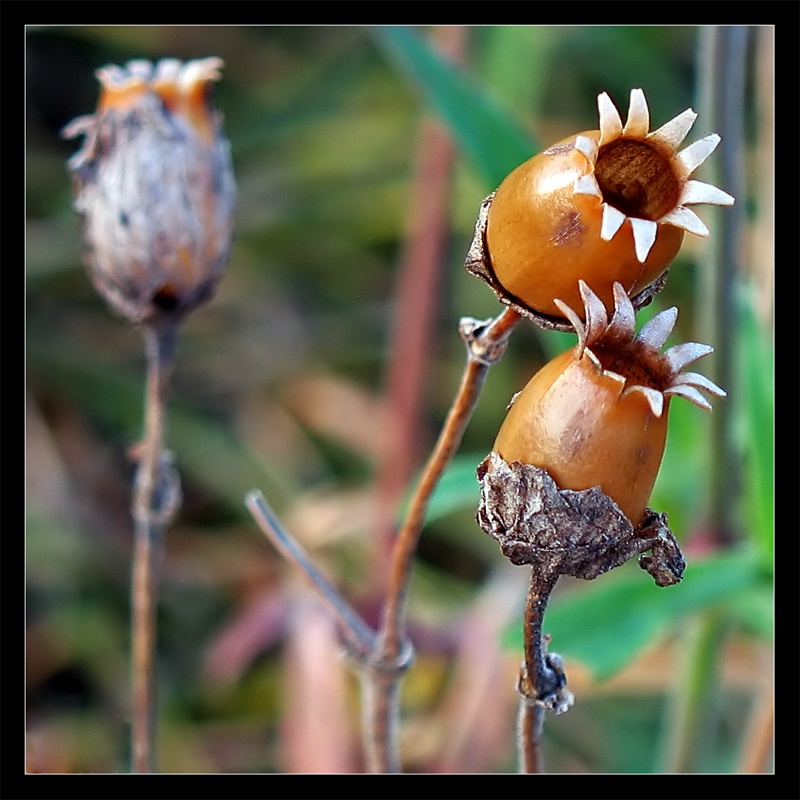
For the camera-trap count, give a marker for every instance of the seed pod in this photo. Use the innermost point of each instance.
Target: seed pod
(154, 184)
(601, 206)
(596, 416)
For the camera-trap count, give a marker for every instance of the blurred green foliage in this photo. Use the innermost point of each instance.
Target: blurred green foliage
(324, 124)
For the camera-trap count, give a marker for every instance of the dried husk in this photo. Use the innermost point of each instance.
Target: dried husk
(564, 532)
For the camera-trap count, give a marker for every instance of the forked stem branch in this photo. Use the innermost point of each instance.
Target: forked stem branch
(384, 655)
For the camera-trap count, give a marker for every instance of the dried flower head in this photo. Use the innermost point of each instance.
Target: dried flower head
(154, 184)
(597, 414)
(603, 206)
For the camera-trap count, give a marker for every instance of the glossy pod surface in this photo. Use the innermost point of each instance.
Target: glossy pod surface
(605, 206)
(596, 415)
(542, 237)
(574, 421)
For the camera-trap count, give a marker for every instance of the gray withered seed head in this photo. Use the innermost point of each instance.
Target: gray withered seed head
(154, 184)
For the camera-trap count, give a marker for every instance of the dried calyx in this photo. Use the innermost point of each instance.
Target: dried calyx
(562, 532)
(635, 360)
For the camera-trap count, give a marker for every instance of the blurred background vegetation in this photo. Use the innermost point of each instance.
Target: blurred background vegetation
(320, 374)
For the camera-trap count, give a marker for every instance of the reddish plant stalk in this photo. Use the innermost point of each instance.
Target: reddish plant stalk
(485, 345)
(415, 308)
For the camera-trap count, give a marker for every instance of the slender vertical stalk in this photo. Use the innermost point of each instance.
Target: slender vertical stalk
(723, 60)
(538, 680)
(357, 634)
(690, 733)
(759, 735)
(485, 345)
(415, 307)
(155, 499)
(408, 535)
(721, 66)
(383, 656)
(530, 724)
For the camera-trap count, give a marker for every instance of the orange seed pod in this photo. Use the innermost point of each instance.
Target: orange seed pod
(597, 414)
(601, 206)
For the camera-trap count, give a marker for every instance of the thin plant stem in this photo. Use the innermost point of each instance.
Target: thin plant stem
(473, 712)
(723, 66)
(356, 632)
(759, 735)
(383, 656)
(156, 497)
(690, 731)
(537, 678)
(485, 345)
(530, 724)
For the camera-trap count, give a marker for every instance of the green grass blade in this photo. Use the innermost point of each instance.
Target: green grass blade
(758, 412)
(496, 142)
(608, 624)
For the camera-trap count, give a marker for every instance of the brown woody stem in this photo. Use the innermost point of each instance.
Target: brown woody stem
(542, 681)
(485, 342)
(385, 655)
(530, 724)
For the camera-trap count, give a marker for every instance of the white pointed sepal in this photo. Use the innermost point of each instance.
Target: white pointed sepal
(691, 157)
(611, 223)
(587, 146)
(638, 122)
(687, 385)
(112, 76)
(653, 397)
(694, 192)
(656, 331)
(700, 381)
(690, 393)
(576, 322)
(623, 321)
(683, 354)
(587, 184)
(644, 237)
(596, 316)
(610, 122)
(670, 135)
(201, 70)
(682, 217)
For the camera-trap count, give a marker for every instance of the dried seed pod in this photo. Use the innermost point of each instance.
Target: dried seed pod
(154, 184)
(596, 416)
(601, 206)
